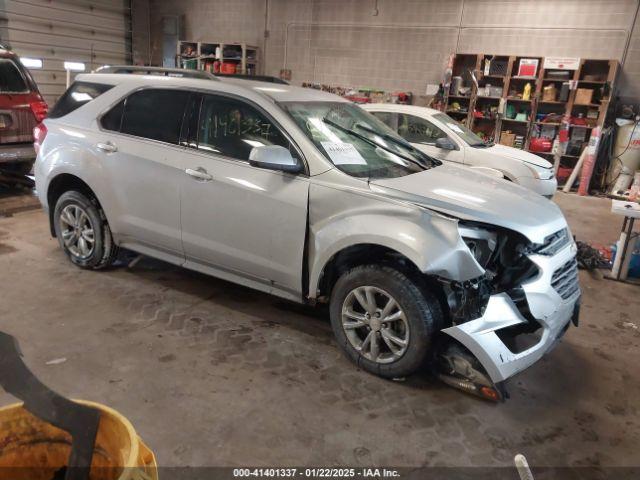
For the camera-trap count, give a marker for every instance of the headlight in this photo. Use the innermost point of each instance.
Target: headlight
(480, 242)
(540, 173)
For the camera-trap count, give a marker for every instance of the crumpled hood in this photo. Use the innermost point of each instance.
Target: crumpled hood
(473, 196)
(518, 154)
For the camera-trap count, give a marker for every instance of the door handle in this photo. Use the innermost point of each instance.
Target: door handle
(199, 173)
(107, 147)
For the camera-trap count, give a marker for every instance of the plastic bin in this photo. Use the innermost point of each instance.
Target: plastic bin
(31, 449)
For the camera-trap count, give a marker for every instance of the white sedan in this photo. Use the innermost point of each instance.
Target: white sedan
(441, 137)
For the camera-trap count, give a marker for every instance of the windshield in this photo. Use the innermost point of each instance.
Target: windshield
(463, 132)
(355, 141)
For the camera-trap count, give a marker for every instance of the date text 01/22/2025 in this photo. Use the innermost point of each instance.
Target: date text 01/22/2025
(315, 473)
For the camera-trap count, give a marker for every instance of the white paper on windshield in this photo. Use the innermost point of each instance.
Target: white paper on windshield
(343, 153)
(455, 128)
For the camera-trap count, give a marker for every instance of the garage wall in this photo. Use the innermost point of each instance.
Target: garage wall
(403, 44)
(92, 32)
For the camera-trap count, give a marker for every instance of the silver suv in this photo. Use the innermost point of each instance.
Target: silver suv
(304, 195)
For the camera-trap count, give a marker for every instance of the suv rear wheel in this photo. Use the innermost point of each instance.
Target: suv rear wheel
(383, 321)
(83, 232)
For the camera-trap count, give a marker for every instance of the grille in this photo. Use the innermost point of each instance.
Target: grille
(565, 279)
(553, 243)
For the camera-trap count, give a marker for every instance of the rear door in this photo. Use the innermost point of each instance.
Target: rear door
(239, 220)
(141, 160)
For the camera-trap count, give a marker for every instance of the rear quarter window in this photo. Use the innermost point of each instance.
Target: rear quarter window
(80, 93)
(11, 78)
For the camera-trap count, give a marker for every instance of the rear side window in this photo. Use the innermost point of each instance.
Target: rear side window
(80, 93)
(155, 114)
(11, 79)
(112, 120)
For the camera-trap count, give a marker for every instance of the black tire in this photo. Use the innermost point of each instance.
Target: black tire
(421, 309)
(103, 251)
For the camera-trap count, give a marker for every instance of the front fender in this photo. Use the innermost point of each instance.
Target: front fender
(342, 218)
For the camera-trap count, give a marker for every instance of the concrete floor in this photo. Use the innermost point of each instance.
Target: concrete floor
(215, 374)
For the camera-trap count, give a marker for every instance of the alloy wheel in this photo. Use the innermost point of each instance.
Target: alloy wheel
(375, 324)
(77, 231)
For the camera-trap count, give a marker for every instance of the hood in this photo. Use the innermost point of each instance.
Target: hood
(518, 154)
(465, 194)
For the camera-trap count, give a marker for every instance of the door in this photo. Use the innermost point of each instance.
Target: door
(239, 219)
(140, 156)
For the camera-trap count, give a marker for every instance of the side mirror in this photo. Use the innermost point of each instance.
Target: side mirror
(274, 157)
(445, 143)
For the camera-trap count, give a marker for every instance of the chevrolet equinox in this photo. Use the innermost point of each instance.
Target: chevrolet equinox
(304, 195)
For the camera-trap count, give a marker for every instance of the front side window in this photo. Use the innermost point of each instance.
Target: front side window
(463, 132)
(155, 114)
(355, 141)
(11, 80)
(233, 128)
(418, 130)
(390, 119)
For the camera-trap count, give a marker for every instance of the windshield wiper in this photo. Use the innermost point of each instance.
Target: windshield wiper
(373, 143)
(398, 141)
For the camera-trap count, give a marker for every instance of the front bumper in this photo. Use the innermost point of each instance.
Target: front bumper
(548, 307)
(17, 153)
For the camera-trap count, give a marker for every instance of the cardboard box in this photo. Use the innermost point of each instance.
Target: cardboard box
(549, 93)
(507, 138)
(583, 96)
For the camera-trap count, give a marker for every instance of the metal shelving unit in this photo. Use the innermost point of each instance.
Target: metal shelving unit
(208, 55)
(597, 75)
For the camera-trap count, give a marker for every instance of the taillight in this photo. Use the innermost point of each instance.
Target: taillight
(39, 109)
(39, 133)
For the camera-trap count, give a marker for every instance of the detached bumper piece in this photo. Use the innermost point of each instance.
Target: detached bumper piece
(458, 368)
(502, 339)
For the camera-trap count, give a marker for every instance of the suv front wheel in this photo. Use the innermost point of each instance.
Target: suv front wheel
(82, 231)
(383, 321)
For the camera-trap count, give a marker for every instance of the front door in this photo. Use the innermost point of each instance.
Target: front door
(239, 220)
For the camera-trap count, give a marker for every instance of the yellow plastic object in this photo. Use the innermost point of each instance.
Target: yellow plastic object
(31, 449)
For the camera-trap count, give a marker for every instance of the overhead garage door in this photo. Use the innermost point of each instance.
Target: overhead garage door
(92, 33)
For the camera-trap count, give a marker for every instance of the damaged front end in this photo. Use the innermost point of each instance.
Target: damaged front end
(506, 319)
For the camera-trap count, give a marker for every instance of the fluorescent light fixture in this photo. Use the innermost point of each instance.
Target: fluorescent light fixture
(31, 62)
(81, 97)
(74, 66)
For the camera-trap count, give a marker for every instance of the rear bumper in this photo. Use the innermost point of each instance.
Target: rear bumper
(553, 313)
(17, 153)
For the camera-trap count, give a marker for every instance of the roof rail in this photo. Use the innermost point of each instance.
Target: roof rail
(255, 78)
(167, 72)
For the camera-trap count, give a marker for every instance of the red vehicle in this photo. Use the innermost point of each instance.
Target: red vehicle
(21, 109)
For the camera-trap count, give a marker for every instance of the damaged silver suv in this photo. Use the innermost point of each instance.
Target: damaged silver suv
(304, 195)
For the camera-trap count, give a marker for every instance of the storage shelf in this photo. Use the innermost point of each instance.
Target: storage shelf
(512, 84)
(515, 121)
(204, 53)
